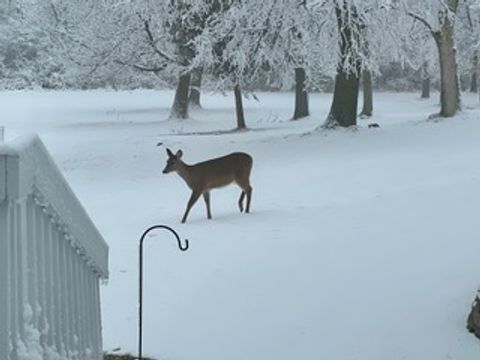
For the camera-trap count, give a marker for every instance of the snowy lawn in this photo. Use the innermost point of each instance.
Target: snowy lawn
(361, 245)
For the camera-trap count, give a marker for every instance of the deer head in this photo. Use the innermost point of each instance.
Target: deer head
(173, 161)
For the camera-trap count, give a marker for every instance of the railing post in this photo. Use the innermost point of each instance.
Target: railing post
(4, 274)
(140, 279)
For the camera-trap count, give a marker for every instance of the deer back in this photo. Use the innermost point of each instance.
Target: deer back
(218, 172)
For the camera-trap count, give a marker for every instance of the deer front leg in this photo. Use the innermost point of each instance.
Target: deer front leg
(206, 197)
(193, 199)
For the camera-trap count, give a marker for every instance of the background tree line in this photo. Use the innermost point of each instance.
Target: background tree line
(244, 46)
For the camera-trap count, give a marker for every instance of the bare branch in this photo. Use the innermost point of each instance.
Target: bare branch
(141, 67)
(152, 42)
(422, 20)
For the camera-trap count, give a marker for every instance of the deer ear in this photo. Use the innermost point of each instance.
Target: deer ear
(179, 154)
(169, 153)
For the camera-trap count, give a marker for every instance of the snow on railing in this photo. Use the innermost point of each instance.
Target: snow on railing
(51, 260)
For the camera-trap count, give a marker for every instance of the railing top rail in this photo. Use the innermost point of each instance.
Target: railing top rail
(26, 168)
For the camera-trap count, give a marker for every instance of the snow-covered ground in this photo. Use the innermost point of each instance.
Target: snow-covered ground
(361, 245)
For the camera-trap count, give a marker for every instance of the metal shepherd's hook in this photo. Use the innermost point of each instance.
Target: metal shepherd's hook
(140, 282)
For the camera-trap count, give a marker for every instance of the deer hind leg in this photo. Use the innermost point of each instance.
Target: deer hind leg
(246, 190)
(206, 197)
(240, 201)
(193, 199)
(249, 197)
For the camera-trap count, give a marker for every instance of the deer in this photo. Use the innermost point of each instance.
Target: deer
(212, 174)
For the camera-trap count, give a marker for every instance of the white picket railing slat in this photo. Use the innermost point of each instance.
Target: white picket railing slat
(52, 258)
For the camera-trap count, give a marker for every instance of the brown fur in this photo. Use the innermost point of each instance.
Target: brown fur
(211, 174)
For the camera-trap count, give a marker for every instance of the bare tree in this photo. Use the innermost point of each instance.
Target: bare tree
(301, 96)
(440, 22)
(343, 111)
(367, 88)
(425, 80)
(195, 86)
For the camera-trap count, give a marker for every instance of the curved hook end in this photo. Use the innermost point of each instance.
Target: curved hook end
(183, 247)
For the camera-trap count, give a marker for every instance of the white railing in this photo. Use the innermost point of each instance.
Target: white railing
(51, 260)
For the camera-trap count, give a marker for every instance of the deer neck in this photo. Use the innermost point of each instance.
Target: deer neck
(184, 171)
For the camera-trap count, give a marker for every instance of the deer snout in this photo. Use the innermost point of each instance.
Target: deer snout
(167, 169)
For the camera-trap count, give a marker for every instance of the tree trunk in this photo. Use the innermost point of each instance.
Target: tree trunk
(194, 97)
(425, 88)
(345, 99)
(301, 95)
(367, 93)
(449, 86)
(180, 103)
(345, 96)
(425, 81)
(239, 108)
(474, 83)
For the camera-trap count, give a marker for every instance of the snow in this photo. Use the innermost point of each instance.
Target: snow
(30, 348)
(361, 245)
